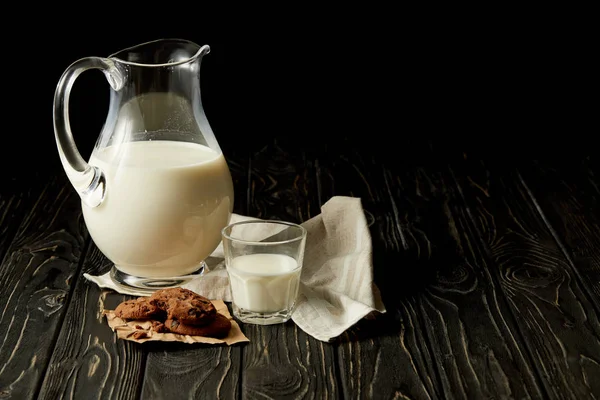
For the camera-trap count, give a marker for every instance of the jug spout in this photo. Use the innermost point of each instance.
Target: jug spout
(161, 53)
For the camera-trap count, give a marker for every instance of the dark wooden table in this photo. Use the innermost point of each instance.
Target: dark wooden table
(489, 268)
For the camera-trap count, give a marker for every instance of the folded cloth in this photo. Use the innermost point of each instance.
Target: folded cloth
(336, 288)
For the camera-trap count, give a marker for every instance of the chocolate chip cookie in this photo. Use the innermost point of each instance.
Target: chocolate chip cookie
(140, 308)
(185, 306)
(193, 311)
(161, 297)
(218, 328)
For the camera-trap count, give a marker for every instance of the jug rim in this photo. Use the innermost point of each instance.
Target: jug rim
(202, 50)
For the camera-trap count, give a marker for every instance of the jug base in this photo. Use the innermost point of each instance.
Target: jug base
(151, 285)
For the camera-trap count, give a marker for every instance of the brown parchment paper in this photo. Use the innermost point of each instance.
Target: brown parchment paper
(126, 329)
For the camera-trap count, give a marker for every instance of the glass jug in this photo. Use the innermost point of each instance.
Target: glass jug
(157, 190)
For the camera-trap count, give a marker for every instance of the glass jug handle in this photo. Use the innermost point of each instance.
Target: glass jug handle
(88, 181)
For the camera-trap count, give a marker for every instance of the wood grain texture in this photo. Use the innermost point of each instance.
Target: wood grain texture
(87, 353)
(238, 162)
(558, 324)
(435, 270)
(569, 198)
(473, 337)
(35, 282)
(386, 357)
(15, 201)
(282, 361)
(282, 184)
(184, 371)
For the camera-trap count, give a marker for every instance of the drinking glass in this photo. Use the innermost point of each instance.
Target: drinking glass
(264, 263)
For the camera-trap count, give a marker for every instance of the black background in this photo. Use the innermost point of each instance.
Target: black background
(508, 96)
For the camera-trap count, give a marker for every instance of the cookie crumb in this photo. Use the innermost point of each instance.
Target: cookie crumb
(139, 335)
(159, 327)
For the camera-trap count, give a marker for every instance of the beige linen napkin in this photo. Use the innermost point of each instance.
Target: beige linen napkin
(337, 287)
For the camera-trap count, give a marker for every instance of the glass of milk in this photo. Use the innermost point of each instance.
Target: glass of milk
(264, 263)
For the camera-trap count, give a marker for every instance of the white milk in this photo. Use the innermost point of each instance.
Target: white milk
(166, 203)
(264, 282)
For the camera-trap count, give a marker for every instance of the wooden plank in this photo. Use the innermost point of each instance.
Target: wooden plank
(35, 283)
(282, 360)
(282, 184)
(87, 353)
(201, 371)
(557, 323)
(183, 371)
(16, 197)
(568, 195)
(386, 357)
(451, 340)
